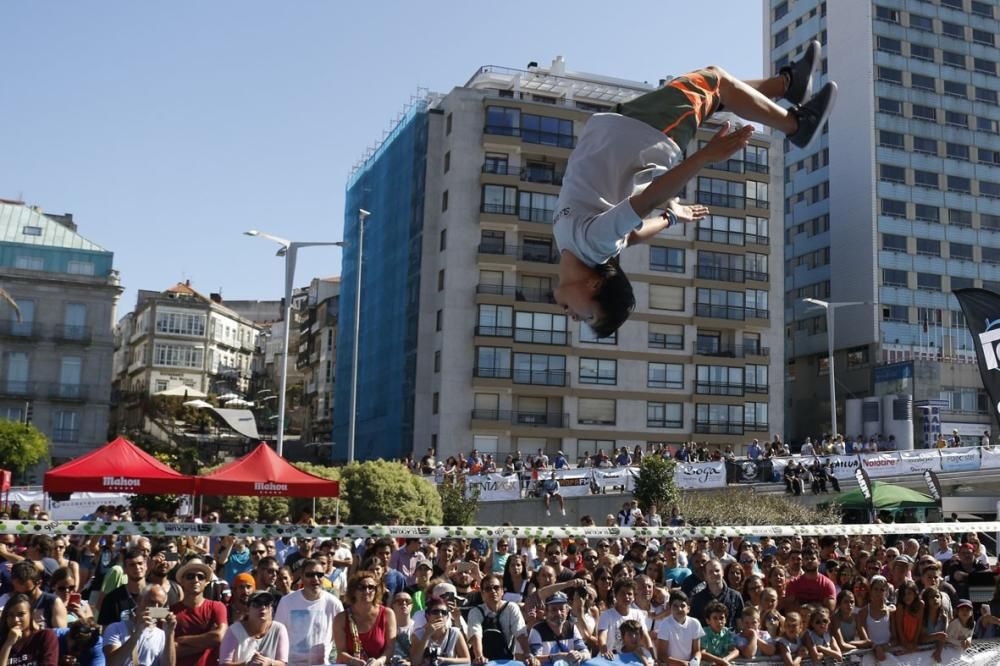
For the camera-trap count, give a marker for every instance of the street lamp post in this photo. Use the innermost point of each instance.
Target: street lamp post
(830, 307)
(352, 423)
(289, 250)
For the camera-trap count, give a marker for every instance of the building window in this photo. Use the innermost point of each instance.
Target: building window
(991, 255)
(893, 208)
(925, 145)
(989, 190)
(540, 369)
(893, 278)
(986, 95)
(595, 411)
(890, 75)
(891, 173)
(921, 82)
(178, 356)
(665, 375)
(177, 323)
(493, 362)
(928, 247)
(667, 259)
(892, 107)
(889, 139)
(444, 201)
(438, 320)
(663, 297)
(925, 179)
(959, 218)
(952, 30)
(536, 207)
(719, 192)
(889, 45)
(956, 119)
(666, 336)
(664, 415)
(924, 112)
(920, 52)
(956, 151)
(540, 328)
(959, 184)
(437, 360)
(80, 267)
(955, 89)
(929, 281)
(983, 37)
(443, 240)
(919, 22)
(447, 161)
(898, 313)
(441, 280)
(719, 380)
(962, 283)
(950, 58)
(495, 321)
(65, 426)
(894, 243)
(499, 199)
(29, 263)
(602, 371)
(960, 251)
(447, 125)
(886, 14)
(926, 213)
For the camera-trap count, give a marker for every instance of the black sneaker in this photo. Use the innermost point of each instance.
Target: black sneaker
(813, 114)
(800, 73)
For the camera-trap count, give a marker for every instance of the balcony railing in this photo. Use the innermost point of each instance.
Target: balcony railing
(530, 175)
(534, 295)
(494, 289)
(729, 351)
(718, 388)
(539, 419)
(729, 312)
(663, 423)
(490, 372)
(533, 136)
(495, 331)
(545, 255)
(540, 215)
(498, 169)
(16, 388)
(67, 333)
(68, 391)
(28, 330)
(664, 341)
(540, 337)
(756, 388)
(498, 209)
(725, 200)
(541, 377)
(718, 427)
(720, 274)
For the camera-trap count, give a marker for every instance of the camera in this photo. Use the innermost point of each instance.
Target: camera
(433, 657)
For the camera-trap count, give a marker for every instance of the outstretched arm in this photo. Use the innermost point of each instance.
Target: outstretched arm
(665, 187)
(653, 226)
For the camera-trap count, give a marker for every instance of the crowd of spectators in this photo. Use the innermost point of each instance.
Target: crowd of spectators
(200, 601)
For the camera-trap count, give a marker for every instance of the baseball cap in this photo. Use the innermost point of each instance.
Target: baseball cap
(966, 546)
(963, 602)
(557, 598)
(442, 590)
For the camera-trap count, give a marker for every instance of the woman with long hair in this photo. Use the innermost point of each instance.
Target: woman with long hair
(65, 585)
(22, 642)
(909, 616)
(934, 628)
(777, 578)
(860, 587)
(365, 631)
(753, 586)
(734, 575)
(60, 543)
(603, 582)
(438, 642)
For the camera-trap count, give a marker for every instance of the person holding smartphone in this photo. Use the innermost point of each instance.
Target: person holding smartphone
(146, 634)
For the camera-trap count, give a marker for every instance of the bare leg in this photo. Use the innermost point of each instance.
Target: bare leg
(772, 88)
(752, 103)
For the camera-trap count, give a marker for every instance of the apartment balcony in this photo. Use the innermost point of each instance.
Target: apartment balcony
(495, 331)
(737, 238)
(756, 388)
(733, 312)
(538, 419)
(491, 372)
(12, 388)
(498, 209)
(498, 169)
(534, 175)
(718, 388)
(729, 351)
(730, 200)
(22, 330)
(740, 166)
(664, 423)
(542, 377)
(533, 136)
(720, 274)
(70, 334)
(539, 215)
(718, 427)
(534, 295)
(69, 392)
(544, 255)
(541, 337)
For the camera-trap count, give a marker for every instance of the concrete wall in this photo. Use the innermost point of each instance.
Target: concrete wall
(532, 511)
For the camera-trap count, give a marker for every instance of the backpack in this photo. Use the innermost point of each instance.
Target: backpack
(496, 646)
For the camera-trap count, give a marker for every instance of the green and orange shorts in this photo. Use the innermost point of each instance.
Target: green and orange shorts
(678, 108)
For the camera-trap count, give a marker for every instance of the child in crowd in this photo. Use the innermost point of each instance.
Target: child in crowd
(790, 646)
(632, 650)
(752, 640)
(818, 640)
(719, 643)
(934, 627)
(960, 629)
(678, 636)
(844, 626)
(622, 180)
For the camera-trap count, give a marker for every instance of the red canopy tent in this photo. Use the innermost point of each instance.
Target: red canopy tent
(118, 466)
(264, 472)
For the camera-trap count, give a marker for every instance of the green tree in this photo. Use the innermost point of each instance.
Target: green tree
(458, 507)
(389, 493)
(742, 506)
(654, 485)
(325, 506)
(21, 446)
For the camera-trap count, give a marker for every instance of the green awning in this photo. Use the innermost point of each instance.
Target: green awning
(886, 496)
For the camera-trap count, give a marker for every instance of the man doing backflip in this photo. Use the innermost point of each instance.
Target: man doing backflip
(622, 179)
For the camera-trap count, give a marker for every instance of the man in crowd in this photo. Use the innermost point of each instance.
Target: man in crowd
(201, 623)
(717, 590)
(124, 598)
(239, 605)
(393, 580)
(720, 551)
(404, 560)
(496, 627)
(27, 579)
(672, 569)
(140, 636)
(959, 570)
(811, 587)
(308, 614)
(161, 561)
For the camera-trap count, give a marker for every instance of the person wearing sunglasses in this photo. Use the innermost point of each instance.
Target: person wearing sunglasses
(201, 622)
(308, 615)
(496, 626)
(257, 639)
(438, 642)
(365, 633)
(140, 636)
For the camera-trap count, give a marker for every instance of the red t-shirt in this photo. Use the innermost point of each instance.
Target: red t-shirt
(811, 591)
(42, 649)
(194, 621)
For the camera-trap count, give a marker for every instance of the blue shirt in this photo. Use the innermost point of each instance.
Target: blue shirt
(92, 657)
(394, 582)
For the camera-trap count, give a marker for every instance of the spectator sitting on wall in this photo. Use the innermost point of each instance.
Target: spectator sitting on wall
(754, 451)
(550, 489)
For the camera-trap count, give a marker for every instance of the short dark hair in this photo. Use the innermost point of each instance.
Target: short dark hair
(713, 607)
(615, 296)
(678, 595)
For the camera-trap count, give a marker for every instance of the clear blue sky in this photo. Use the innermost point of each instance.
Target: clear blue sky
(168, 128)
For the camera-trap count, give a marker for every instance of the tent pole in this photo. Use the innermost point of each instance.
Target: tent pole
(314, 508)
(338, 511)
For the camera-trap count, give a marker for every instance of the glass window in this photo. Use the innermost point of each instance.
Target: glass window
(495, 320)
(499, 199)
(962, 283)
(895, 313)
(960, 251)
(952, 30)
(991, 255)
(921, 82)
(29, 263)
(890, 139)
(503, 120)
(493, 362)
(891, 106)
(955, 89)
(983, 37)
(986, 95)
(893, 208)
(894, 243)
(989, 190)
(929, 247)
(889, 45)
(663, 297)
(80, 267)
(925, 145)
(668, 259)
(891, 173)
(666, 336)
(980, 8)
(919, 22)
(921, 52)
(595, 411)
(893, 278)
(890, 75)
(985, 66)
(886, 14)
(664, 415)
(929, 281)
(540, 328)
(542, 369)
(665, 375)
(925, 112)
(537, 207)
(960, 218)
(599, 371)
(959, 184)
(957, 151)
(925, 179)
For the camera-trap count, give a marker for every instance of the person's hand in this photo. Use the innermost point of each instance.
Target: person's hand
(726, 142)
(685, 213)
(82, 611)
(577, 655)
(148, 620)
(13, 635)
(259, 660)
(479, 660)
(169, 623)
(607, 653)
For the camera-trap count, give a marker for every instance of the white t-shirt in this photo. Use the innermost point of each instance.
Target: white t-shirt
(151, 643)
(309, 625)
(615, 158)
(679, 636)
(611, 621)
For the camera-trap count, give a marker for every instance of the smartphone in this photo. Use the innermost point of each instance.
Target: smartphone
(158, 612)
(74, 598)
(173, 557)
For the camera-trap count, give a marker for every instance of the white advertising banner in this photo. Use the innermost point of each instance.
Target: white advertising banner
(919, 460)
(778, 466)
(76, 507)
(609, 478)
(843, 466)
(572, 482)
(700, 475)
(881, 464)
(494, 487)
(989, 458)
(962, 459)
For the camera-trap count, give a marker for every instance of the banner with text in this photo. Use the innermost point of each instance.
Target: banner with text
(881, 464)
(494, 487)
(76, 507)
(989, 458)
(919, 460)
(963, 459)
(700, 475)
(610, 478)
(572, 482)
(843, 466)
